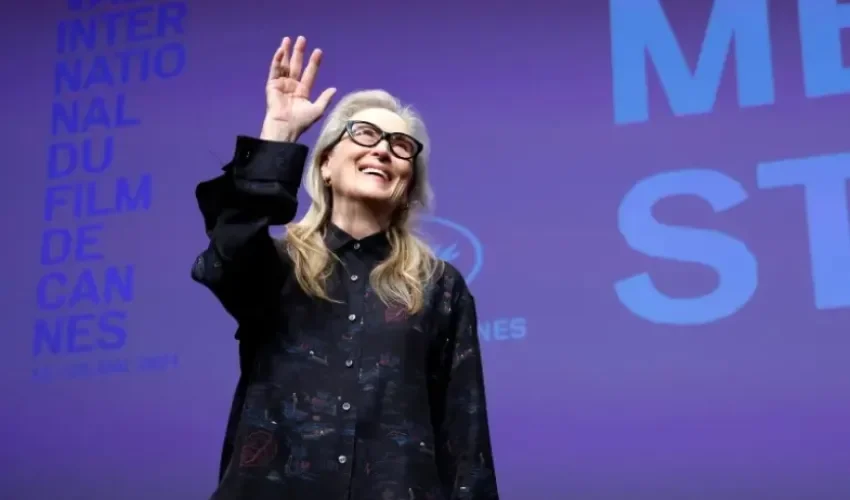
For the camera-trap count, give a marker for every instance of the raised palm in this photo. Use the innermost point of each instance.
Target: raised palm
(288, 88)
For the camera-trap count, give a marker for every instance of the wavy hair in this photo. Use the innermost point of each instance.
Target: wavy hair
(401, 278)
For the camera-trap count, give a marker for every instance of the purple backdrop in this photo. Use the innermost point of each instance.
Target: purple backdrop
(119, 370)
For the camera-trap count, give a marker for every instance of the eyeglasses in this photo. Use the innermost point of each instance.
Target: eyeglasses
(370, 135)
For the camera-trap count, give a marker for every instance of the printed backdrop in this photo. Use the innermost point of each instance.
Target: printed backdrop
(648, 197)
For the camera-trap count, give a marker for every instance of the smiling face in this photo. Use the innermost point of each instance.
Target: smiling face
(365, 166)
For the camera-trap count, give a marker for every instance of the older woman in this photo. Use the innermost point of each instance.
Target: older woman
(361, 369)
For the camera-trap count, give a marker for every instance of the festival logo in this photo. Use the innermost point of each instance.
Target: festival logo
(455, 244)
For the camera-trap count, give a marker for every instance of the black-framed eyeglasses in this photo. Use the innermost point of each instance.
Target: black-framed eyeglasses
(369, 135)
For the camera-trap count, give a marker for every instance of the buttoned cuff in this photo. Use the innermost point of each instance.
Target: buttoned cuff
(260, 160)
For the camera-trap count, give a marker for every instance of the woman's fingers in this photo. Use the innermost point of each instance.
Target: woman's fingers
(297, 62)
(277, 67)
(309, 77)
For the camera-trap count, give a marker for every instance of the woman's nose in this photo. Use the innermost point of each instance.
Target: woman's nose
(382, 147)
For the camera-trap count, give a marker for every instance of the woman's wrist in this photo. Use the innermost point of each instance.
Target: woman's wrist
(278, 131)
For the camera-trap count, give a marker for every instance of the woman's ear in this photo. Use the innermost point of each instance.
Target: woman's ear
(323, 168)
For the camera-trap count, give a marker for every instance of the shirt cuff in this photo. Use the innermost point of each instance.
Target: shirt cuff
(260, 160)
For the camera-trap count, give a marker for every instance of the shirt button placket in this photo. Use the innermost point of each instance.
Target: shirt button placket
(347, 397)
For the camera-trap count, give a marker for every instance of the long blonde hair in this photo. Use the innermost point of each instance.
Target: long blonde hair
(401, 278)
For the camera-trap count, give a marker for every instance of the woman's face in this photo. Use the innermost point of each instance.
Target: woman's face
(362, 165)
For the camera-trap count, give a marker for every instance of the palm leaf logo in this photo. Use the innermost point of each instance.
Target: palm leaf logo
(447, 253)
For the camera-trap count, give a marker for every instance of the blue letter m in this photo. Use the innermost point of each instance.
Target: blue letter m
(640, 28)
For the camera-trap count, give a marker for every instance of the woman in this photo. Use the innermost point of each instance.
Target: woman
(361, 371)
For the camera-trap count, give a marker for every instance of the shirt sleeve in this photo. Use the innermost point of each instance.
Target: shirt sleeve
(259, 188)
(465, 454)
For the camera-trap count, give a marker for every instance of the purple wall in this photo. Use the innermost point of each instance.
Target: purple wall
(575, 148)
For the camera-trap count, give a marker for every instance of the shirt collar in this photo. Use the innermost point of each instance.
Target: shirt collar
(336, 239)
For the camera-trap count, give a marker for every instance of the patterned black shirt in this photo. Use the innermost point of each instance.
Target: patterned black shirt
(347, 400)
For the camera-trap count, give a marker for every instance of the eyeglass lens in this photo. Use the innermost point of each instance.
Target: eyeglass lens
(368, 135)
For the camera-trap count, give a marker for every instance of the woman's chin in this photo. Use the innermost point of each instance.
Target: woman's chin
(375, 194)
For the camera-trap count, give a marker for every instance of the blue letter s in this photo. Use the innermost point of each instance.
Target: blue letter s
(736, 267)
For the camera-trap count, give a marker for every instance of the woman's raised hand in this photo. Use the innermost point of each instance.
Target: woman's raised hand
(289, 111)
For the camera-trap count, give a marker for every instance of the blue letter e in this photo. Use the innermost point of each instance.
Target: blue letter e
(736, 267)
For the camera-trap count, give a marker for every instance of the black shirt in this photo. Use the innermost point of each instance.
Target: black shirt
(347, 400)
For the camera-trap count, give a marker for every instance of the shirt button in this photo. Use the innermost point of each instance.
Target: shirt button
(342, 459)
(357, 246)
(351, 317)
(354, 277)
(349, 363)
(346, 406)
